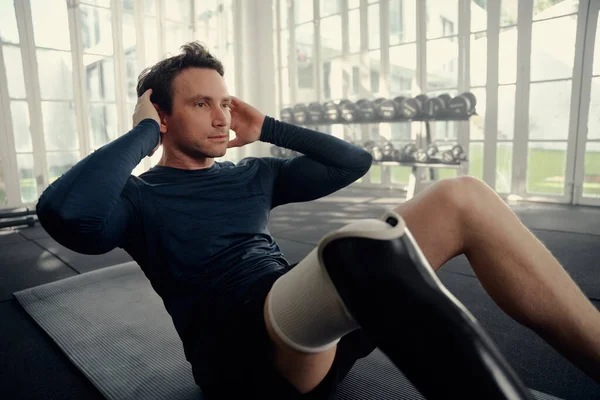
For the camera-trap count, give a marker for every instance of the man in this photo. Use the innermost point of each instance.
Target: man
(249, 322)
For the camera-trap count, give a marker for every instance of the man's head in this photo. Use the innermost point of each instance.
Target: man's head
(193, 103)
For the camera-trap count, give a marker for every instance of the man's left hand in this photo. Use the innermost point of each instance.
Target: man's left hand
(246, 122)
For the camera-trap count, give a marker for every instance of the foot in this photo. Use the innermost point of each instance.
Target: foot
(391, 290)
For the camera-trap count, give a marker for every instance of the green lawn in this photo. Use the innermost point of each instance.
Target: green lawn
(545, 173)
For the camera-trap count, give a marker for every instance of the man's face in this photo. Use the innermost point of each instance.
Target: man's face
(199, 122)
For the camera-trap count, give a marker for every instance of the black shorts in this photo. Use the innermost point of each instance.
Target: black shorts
(232, 359)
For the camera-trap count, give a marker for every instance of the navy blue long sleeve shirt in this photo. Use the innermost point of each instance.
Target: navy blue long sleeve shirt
(196, 234)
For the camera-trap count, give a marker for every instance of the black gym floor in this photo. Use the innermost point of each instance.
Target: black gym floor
(33, 367)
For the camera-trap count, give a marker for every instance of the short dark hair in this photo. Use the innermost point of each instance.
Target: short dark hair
(161, 75)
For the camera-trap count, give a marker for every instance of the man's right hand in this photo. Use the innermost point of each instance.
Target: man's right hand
(146, 109)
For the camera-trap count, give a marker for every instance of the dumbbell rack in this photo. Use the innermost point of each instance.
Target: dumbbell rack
(415, 183)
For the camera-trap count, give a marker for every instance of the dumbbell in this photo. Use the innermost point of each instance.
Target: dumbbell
(300, 114)
(462, 105)
(332, 111)
(375, 151)
(315, 113)
(407, 107)
(348, 111)
(452, 155)
(407, 154)
(287, 115)
(365, 109)
(421, 99)
(388, 152)
(385, 108)
(459, 153)
(435, 107)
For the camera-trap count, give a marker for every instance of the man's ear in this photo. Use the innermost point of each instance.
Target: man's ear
(163, 121)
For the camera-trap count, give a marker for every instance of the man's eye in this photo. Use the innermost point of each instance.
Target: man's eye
(226, 105)
(201, 104)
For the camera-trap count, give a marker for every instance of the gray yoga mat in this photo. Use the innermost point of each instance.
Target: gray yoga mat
(115, 329)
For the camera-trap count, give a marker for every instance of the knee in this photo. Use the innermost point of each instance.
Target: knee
(465, 194)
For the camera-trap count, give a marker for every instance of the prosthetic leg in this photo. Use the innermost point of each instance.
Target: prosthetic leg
(391, 290)
(371, 274)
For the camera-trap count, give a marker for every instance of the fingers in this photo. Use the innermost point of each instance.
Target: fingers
(234, 143)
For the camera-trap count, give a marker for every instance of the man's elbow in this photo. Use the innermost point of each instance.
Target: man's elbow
(364, 162)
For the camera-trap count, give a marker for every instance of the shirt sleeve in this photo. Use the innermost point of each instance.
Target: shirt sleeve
(87, 209)
(327, 164)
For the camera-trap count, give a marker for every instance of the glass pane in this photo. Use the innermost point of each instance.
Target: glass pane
(353, 4)
(442, 64)
(400, 174)
(19, 111)
(14, 71)
(101, 3)
(303, 11)
(100, 77)
(477, 121)
(129, 35)
(103, 124)
(150, 40)
(373, 24)
(130, 110)
(447, 173)
(304, 60)
(509, 12)
(59, 163)
(283, 13)
(175, 36)
(543, 9)
(329, 7)
(285, 87)
(594, 113)
(553, 48)
(150, 7)
(476, 160)
(478, 15)
(50, 24)
(375, 75)
(504, 157)
(3, 199)
(60, 129)
(442, 18)
(549, 106)
(96, 30)
(27, 180)
(597, 49)
(478, 65)
(354, 84)
(508, 56)
(354, 33)
(131, 73)
(506, 112)
(546, 168)
(591, 180)
(403, 66)
(56, 76)
(9, 32)
(128, 5)
(331, 37)
(333, 85)
(285, 47)
(177, 10)
(403, 17)
(375, 174)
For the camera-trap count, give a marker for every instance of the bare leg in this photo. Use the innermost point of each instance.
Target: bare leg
(464, 215)
(303, 370)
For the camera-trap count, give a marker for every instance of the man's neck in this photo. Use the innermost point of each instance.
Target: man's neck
(184, 162)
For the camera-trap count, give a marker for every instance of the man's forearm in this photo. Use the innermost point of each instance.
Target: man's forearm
(321, 147)
(90, 189)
